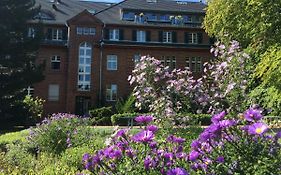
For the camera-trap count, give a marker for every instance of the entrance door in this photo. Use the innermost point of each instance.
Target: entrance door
(82, 105)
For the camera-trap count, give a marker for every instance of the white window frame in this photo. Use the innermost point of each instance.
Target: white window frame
(57, 34)
(167, 37)
(55, 59)
(111, 92)
(114, 34)
(53, 92)
(31, 32)
(193, 38)
(84, 67)
(141, 36)
(111, 62)
(30, 90)
(85, 31)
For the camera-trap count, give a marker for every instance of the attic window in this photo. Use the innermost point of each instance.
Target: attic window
(92, 11)
(182, 2)
(151, 1)
(44, 16)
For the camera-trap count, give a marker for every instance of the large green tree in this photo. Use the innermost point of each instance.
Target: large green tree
(17, 52)
(256, 24)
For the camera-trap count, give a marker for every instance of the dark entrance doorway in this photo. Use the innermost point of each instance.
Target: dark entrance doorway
(82, 105)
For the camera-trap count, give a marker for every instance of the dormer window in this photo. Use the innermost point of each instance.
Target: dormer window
(164, 18)
(128, 16)
(151, 17)
(141, 18)
(57, 34)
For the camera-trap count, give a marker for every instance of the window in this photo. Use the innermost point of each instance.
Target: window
(192, 38)
(55, 62)
(128, 16)
(30, 90)
(169, 61)
(187, 18)
(111, 62)
(137, 58)
(151, 17)
(113, 34)
(164, 18)
(85, 31)
(167, 37)
(57, 34)
(84, 67)
(53, 92)
(31, 32)
(194, 64)
(111, 92)
(141, 36)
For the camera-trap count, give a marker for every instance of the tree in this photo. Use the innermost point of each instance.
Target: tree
(256, 24)
(17, 52)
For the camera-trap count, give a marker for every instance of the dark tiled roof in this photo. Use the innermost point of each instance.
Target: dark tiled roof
(69, 8)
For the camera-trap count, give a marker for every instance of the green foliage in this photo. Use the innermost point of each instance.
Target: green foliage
(122, 119)
(56, 135)
(34, 106)
(17, 54)
(14, 136)
(186, 119)
(101, 116)
(251, 22)
(126, 106)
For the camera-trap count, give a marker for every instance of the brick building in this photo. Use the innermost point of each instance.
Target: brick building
(90, 48)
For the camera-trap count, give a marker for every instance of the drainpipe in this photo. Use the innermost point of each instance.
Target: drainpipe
(101, 55)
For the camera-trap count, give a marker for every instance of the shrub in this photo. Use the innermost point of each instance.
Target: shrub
(126, 106)
(34, 106)
(185, 119)
(101, 116)
(227, 146)
(55, 134)
(122, 119)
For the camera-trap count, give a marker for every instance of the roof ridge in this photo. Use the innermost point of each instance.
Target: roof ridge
(103, 10)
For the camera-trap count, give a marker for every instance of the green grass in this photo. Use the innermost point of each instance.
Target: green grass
(13, 136)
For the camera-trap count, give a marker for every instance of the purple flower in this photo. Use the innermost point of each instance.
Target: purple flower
(257, 128)
(144, 136)
(227, 123)
(152, 128)
(121, 133)
(278, 135)
(218, 117)
(220, 159)
(193, 155)
(195, 144)
(175, 139)
(144, 119)
(113, 153)
(177, 171)
(252, 115)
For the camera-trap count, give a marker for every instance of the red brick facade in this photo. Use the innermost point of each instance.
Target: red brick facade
(66, 77)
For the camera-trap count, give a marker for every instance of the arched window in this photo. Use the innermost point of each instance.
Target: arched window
(84, 67)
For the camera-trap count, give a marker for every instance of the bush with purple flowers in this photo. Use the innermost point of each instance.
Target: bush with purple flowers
(240, 146)
(59, 132)
(140, 153)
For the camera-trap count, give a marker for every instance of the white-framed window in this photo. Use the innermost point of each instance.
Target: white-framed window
(167, 37)
(128, 15)
(55, 62)
(194, 64)
(111, 92)
(30, 90)
(192, 38)
(169, 61)
(114, 34)
(164, 18)
(141, 36)
(31, 32)
(84, 67)
(85, 31)
(111, 62)
(53, 93)
(56, 34)
(137, 58)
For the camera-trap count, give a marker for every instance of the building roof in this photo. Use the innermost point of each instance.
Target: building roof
(109, 13)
